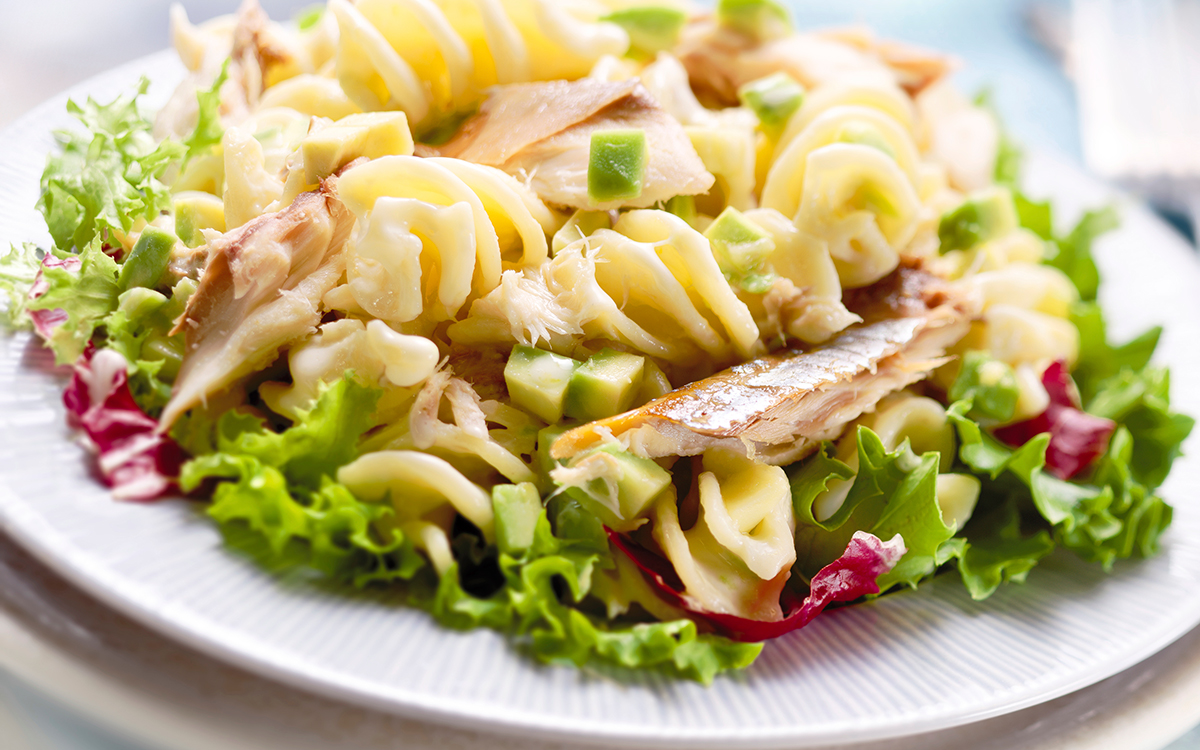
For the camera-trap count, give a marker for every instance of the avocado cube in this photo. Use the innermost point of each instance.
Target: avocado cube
(537, 381)
(651, 28)
(616, 165)
(543, 462)
(372, 135)
(518, 508)
(738, 244)
(773, 100)
(654, 384)
(637, 482)
(604, 385)
(987, 215)
(761, 20)
(147, 262)
(194, 211)
(683, 206)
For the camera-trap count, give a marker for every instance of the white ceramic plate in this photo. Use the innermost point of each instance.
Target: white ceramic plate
(907, 663)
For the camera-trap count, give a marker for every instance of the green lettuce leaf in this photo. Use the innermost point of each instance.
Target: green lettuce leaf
(87, 295)
(18, 270)
(990, 384)
(997, 552)
(529, 605)
(1112, 518)
(320, 441)
(208, 130)
(140, 329)
(1139, 401)
(108, 178)
(893, 493)
(1100, 360)
(1073, 254)
(280, 486)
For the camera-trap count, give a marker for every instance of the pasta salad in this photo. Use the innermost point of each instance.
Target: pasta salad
(640, 332)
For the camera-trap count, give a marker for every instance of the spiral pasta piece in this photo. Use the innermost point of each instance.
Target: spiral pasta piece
(649, 276)
(413, 212)
(846, 123)
(431, 57)
(417, 484)
(736, 557)
(859, 201)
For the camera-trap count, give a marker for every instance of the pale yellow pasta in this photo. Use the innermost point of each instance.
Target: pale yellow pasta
(416, 484)
(519, 217)
(728, 153)
(784, 184)
(868, 90)
(735, 559)
(1026, 285)
(1032, 398)
(860, 202)
(962, 137)
(650, 269)
(957, 495)
(433, 541)
(809, 307)
(312, 95)
(249, 187)
(1016, 336)
(435, 58)
(411, 210)
(375, 353)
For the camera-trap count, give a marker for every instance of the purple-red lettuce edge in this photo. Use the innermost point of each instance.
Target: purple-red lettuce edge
(854, 574)
(45, 321)
(134, 458)
(1076, 438)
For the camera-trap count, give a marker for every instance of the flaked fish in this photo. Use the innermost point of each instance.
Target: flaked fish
(778, 408)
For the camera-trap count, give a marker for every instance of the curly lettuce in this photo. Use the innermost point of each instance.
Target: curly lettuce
(108, 177)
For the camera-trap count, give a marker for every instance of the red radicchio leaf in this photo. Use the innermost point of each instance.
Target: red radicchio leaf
(45, 321)
(134, 459)
(854, 574)
(1076, 437)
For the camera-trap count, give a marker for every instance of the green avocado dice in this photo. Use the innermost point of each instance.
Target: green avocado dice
(683, 206)
(738, 244)
(518, 508)
(761, 19)
(537, 381)
(604, 385)
(616, 165)
(986, 216)
(654, 384)
(147, 262)
(637, 482)
(543, 462)
(195, 211)
(651, 28)
(773, 100)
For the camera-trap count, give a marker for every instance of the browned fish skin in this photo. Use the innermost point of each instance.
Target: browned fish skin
(779, 407)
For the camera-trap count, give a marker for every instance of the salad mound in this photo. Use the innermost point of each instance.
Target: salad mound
(639, 333)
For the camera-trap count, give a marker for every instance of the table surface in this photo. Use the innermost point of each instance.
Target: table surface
(48, 45)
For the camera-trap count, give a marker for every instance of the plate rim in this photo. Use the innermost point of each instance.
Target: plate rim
(39, 537)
